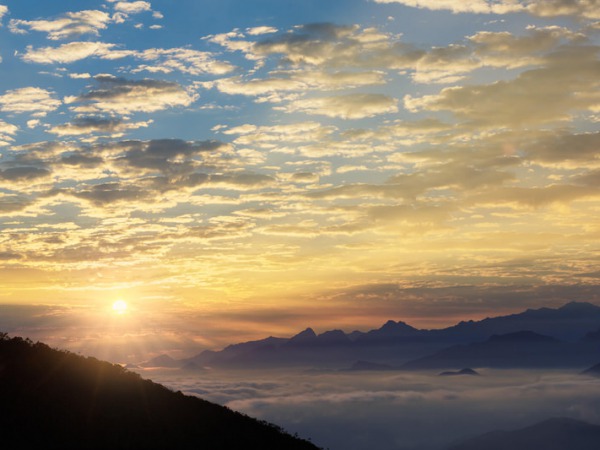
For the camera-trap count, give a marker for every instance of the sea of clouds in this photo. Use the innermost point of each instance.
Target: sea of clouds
(394, 410)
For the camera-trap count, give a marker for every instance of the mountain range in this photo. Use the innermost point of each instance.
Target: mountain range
(524, 349)
(568, 336)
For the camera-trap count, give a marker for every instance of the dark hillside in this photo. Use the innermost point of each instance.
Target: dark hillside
(54, 399)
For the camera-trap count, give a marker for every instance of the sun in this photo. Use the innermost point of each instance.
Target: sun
(119, 307)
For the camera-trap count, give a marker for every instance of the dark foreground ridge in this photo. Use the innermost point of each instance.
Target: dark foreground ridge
(55, 399)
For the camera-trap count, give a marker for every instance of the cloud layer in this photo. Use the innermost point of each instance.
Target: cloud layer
(394, 410)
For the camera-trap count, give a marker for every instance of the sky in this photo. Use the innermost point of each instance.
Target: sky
(237, 169)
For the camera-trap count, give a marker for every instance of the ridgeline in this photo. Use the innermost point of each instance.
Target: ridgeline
(54, 399)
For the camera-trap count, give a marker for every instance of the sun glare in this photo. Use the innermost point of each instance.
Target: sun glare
(119, 306)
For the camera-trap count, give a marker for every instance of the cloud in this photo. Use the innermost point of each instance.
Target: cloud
(82, 126)
(506, 49)
(80, 76)
(423, 215)
(241, 180)
(139, 170)
(11, 203)
(7, 131)
(293, 133)
(562, 146)
(463, 6)
(71, 52)
(3, 11)
(541, 95)
(269, 89)
(455, 176)
(328, 56)
(219, 229)
(590, 178)
(66, 26)
(587, 9)
(380, 410)
(168, 156)
(185, 60)
(7, 256)
(135, 7)
(122, 96)
(29, 100)
(80, 160)
(536, 197)
(460, 296)
(256, 87)
(109, 193)
(349, 106)
(327, 45)
(19, 174)
(256, 31)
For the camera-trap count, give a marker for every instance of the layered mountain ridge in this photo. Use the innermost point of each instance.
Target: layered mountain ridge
(568, 335)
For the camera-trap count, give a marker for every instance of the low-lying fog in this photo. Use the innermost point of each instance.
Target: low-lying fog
(393, 410)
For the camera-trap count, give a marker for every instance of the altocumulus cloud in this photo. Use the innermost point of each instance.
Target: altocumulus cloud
(87, 125)
(69, 25)
(349, 106)
(33, 100)
(588, 9)
(123, 96)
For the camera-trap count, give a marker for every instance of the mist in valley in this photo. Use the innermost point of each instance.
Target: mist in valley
(394, 410)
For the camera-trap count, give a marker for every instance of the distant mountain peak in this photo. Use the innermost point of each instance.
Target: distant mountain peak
(333, 332)
(161, 361)
(392, 327)
(333, 337)
(304, 336)
(579, 307)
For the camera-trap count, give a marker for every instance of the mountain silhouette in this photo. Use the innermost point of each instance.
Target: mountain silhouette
(390, 332)
(161, 361)
(570, 322)
(370, 366)
(552, 434)
(305, 337)
(396, 343)
(519, 349)
(465, 371)
(524, 336)
(54, 399)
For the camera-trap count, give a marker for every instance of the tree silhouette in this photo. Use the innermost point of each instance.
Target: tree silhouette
(54, 399)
